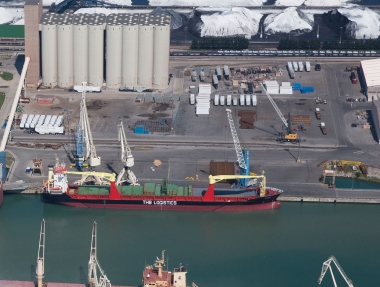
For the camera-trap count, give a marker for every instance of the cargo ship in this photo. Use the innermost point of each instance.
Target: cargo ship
(164, 196)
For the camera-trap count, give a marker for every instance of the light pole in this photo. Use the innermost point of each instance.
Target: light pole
(340, 38)
(298, 160)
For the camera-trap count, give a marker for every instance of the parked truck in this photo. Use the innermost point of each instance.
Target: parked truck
(222, 100)
(235, 100)
(228, 103)
(323, 128)
(318, 113)
(320, 101)
(218, 72)
(215, 81)
(192, 99)
(226, 72)
(202, 76)
(300, 66)
(216, 100)
(354, 80)
(194, 76)
(295, 66)
(307, 66)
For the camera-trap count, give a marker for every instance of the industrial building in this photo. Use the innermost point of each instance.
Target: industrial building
(118, 50)
(370, 71)
(375, 113)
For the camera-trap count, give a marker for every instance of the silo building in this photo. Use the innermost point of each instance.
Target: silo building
(96, 27)
(114, 39)
(49, 50)
(65, 49)
(80, 48)
(130, 49)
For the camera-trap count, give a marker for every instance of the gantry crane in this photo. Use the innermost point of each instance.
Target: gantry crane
(84, 137)
(41, 256)
(289, 136)
(93, 265)
(327, 265)
(126, 158)
(241, 153)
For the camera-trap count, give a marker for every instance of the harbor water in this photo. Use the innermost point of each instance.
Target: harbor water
(283, 247)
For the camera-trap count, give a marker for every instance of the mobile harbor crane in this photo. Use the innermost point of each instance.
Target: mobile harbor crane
(126, 158)
(327, 265)
(84, 138)
(289, 136)
(242, 153)
(93, 265)
(41, 256)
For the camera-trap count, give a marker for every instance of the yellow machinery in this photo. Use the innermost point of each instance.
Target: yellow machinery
(216, 178)
(100, 178)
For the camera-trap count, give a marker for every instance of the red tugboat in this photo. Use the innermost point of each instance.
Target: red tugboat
(164, 196)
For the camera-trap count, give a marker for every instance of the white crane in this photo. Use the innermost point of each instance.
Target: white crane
(327, 265)
(41, 256)
(275, 106)
(239, 152)
(93, 265)
(91, 156)
(126, 158)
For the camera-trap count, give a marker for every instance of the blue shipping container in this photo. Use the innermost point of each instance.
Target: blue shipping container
(297, 86)
(140, 130)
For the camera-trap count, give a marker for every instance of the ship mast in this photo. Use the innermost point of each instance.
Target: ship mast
(159, 263)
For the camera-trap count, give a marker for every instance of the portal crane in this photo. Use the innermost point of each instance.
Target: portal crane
(41, 256)
(241, 153)
(126, 158)
(84, 137)
(327, 265)
(93, 265)
(289, 136)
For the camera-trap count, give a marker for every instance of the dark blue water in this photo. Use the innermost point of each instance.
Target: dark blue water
(345, 182)
(284, 247)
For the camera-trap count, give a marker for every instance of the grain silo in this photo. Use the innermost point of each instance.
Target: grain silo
(96, 26)
(49, 51)
(80, 49)
(130, 49)
(145, 57)
(161, 51)
(113, 51)
(65, 50)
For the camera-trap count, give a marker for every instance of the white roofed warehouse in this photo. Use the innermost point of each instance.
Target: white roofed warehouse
(370, 72)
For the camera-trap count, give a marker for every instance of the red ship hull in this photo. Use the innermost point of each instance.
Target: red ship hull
(223, 204)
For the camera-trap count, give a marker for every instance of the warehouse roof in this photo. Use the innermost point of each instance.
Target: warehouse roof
(371, 72)
(32, 2)
(12, 31)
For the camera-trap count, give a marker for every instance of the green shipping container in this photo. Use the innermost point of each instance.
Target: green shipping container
(125, 189)
(180, 191)
(149, 188)
(93, 190)
(158, 190)
(138, 190)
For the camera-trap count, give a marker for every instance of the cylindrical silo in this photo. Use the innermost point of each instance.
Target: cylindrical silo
(145, 58)
(113, 52)
(80, 49)
(130, 50)
(161, 52)
(96, 50)
(49, 52)
(65, 51)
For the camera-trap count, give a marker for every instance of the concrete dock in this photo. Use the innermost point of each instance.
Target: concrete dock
(15, 283)
(328, 199)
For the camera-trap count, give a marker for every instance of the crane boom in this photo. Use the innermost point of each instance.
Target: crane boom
(275, 106)
(126, 158)
(327, 265)
(239, 152)
(93, 264)
(41, 256)
(91, 156)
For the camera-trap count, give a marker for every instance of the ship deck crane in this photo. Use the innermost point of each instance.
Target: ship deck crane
(327, 265)
(289, 136)
(241, 153)
(84, 137)
(40, 270)
(126, 158)
(93, 265)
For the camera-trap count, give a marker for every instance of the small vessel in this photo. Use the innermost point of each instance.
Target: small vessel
(164, 196)
(154, 275)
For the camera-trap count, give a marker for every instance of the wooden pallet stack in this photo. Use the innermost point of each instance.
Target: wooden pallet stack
(247, 119)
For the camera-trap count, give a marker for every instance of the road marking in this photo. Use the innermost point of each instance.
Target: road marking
(358, 152)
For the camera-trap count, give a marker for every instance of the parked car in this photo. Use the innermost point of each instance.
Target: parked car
(317, 67)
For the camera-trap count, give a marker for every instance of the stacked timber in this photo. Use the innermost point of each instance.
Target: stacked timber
(247, 119)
